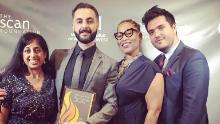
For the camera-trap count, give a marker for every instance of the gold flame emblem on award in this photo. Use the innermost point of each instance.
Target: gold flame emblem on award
(69, 112)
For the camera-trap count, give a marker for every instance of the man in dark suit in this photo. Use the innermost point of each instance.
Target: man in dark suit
(185, 70)
(98, 73)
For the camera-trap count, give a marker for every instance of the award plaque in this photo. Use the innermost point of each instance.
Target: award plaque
(76, 106)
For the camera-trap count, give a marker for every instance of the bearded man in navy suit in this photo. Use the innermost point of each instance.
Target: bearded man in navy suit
(185, 70)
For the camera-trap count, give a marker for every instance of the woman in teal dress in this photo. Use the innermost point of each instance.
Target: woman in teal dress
(140, 87)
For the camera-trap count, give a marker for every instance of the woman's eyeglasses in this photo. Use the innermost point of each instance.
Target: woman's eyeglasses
(127, 33)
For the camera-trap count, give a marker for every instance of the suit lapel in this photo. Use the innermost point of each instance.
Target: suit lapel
(97, 59)
(175, 56)
(60, 72)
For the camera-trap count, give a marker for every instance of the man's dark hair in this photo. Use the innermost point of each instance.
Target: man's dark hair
(155, 12)
(85, 5)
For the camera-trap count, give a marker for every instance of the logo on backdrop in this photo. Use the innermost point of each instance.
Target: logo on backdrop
(100, 37)
(10, 25)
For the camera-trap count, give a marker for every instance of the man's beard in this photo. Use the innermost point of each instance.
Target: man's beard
(87, 40)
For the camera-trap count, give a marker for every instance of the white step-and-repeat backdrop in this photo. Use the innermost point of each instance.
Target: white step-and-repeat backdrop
(198, 23)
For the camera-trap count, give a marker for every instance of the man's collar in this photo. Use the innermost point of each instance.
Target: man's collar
(87, 52)
(172, 49)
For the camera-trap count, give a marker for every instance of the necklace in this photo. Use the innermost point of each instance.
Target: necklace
(35, 81)
(126, 63)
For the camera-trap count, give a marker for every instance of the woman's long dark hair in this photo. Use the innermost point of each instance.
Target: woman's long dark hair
(17, 65)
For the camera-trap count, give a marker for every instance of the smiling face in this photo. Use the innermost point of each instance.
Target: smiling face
(85, 25)
(128, 39)
(163, 35)
(33, 55)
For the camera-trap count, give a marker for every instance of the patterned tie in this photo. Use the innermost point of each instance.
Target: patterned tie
(77, 69)
(161, 61)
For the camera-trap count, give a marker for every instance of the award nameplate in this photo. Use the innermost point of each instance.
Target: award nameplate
(76, 106)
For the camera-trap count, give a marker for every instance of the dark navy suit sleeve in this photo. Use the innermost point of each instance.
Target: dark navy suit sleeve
(195, 89)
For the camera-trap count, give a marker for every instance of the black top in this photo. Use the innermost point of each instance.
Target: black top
(27, 105)
(87, 60)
